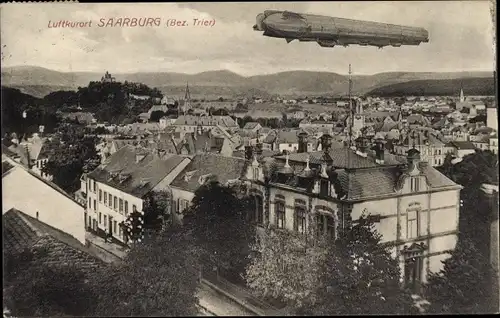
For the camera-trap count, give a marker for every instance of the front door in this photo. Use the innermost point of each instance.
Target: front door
(110, 226)
(413, 271)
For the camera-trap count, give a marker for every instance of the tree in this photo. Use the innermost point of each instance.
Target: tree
(476, 209)
(31, 290)
(156, 115)
(360, 276)
(285, 267)
(157, 278)
(73, 153)
(133, 226)
(464, 285)
(217, 218)
(156, 209)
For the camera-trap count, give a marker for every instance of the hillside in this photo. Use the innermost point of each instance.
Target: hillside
(223, 83)
(472, 86)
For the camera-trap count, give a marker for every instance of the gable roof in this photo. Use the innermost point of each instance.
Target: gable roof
(48, 183)
(123, 172)
(251, 125)
(225, 168)
(190, 120)
(22, 231)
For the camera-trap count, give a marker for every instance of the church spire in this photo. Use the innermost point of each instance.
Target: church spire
(462, 97)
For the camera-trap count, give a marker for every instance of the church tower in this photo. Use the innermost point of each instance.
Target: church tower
(462, 97)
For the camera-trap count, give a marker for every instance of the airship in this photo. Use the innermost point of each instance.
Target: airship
(332, 31)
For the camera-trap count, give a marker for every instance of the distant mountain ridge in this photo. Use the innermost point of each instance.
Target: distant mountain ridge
(39, 80)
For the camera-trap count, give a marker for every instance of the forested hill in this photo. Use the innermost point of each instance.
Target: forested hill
(109, 102)
(472, 86)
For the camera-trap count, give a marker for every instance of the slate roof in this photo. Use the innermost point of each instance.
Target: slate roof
(224, 168)
(462, 145)
(224, 121)
(204, 142)
(250, 125)
(341, 158)
(21, 231)
(363, 182)
(137, 178)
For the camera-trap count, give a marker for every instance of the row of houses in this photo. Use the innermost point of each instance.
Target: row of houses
(415, 206)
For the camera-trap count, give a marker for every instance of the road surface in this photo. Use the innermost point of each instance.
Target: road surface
(218, 304)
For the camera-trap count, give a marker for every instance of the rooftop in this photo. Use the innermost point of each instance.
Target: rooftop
(22, 231)
(122, 171)
(224, 168)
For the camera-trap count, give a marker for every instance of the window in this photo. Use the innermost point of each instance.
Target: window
(256, 173)
(121, 205)
(105, 198)
(90, 203)
(115, 203)
(324, 187)
(93, 181)
(100, 218)
(95, 205)
(413, 272)
(183, 204)
(134, 208)
(114, 226)
(415, 184)
(89, 182)
(105, 220)
(280, 214)
(126, 207)
(110, 200)
(100, 195)
(325, 225)
(412, 224)
(300, 219)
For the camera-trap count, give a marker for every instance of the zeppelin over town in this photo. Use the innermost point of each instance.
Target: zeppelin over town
(121, 22)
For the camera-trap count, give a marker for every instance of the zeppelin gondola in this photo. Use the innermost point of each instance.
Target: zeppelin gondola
(331, 31)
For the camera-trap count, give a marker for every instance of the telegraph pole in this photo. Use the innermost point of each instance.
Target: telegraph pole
(351, 113)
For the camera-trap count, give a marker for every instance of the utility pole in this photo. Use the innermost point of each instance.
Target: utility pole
(351, 113)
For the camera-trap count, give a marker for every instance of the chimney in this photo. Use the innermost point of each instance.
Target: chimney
(379, 151)
(326, 142)
(362, 145)
(412, 158)
(302, 142)
(258, 149)
(248, 152)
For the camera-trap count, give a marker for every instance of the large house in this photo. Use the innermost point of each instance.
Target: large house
(190, 123)
(117, 188)
(430, 146)
(415, 207)
(202, 168)
(25, 191)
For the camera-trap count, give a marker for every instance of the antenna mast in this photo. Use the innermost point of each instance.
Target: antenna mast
(351, 113)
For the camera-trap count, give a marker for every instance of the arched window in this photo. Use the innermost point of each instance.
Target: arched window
(325, 224)
(280, 211)
(300, 216)
(257, 210)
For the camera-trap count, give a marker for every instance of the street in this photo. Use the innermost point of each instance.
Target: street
(219, 304)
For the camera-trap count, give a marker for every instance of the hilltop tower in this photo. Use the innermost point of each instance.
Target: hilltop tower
(462, 97)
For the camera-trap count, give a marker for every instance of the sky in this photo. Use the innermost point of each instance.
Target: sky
(461, 38)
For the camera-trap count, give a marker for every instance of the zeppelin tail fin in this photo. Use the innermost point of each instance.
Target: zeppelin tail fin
(288, 40)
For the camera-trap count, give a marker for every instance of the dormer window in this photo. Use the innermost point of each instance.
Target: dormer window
(255, 173)
(324, 187)
(415, 184)
(189, 175)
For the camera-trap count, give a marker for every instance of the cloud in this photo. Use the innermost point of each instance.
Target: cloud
(461, 38)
